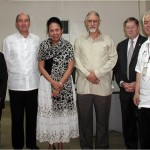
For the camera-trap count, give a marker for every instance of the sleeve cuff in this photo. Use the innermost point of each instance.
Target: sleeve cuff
(121, 83)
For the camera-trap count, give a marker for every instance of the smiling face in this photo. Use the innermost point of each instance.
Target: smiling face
(55, 32)
(131, 29)
(146, 24)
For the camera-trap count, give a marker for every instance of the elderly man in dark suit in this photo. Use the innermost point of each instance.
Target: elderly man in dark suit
(3, 82)
(125, 74)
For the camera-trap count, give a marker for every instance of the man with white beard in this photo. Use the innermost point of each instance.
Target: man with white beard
(95, 57)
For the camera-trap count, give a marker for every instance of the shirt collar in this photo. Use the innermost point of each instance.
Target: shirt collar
(21, 36)
(148, 40)
(100, 37)
(134, 40)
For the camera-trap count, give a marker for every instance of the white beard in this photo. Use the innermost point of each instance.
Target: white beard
(92, 30)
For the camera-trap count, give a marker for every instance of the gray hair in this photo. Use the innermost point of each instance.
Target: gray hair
(22, 14)
(145, 15)
(92, 13)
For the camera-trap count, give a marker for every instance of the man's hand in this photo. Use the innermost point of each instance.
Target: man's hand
(129, 87)
(136, 99)
(92, 78)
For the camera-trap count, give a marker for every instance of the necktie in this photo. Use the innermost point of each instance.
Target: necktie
(130, 52)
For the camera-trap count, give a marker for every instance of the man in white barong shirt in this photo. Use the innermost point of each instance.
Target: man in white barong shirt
(142, 89)
(20, 51)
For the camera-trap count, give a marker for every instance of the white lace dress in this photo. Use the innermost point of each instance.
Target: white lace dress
(57, 119)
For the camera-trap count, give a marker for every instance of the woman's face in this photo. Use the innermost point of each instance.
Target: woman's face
(55, 32)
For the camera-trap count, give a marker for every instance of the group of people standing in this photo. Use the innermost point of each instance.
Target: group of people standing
(41, 87)
(133, 77)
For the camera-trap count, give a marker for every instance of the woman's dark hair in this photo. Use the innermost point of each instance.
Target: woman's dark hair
(54, 20)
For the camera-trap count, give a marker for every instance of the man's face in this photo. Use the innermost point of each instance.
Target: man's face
(146, 25)
(23, 23)
(131, 29)
(92, 23)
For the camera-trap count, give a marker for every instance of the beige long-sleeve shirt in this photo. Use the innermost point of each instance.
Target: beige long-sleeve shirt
(99, 56)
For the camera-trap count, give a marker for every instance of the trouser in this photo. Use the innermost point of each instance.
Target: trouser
(85, 112)
(130, 121)
(2, 105)
(20, 102)
(145, 127)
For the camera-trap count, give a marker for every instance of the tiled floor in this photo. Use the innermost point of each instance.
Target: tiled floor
(116, 139)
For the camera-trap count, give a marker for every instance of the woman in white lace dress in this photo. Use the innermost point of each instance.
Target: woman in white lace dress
(57, 119)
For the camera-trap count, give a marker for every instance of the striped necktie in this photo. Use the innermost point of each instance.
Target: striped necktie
(130, 52)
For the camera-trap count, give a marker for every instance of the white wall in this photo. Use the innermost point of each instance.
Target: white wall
(113, 14)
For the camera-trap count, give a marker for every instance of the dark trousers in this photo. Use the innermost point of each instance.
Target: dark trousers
(145, 127)
(85, 111)
(20, 102)
(0, 111)
(2, 106)
(130, 121)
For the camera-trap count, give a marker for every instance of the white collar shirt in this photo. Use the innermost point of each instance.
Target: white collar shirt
(144, 62)
(134, 42)
(21, 59)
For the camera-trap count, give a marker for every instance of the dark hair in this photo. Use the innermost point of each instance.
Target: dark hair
(131, 19)
(54, 20)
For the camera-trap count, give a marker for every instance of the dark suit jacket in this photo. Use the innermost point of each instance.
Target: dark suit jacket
(120, 69)
(3, 80)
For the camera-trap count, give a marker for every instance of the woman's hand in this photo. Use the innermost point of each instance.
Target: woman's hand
(55, 93)
(57, 86)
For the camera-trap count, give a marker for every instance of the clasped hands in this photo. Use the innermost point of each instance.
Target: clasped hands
(92, 78)
(57, 88)
(129, 87)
